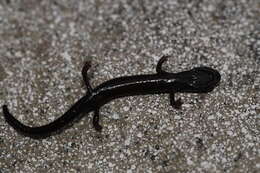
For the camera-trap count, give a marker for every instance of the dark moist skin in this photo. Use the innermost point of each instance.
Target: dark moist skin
(197, 80)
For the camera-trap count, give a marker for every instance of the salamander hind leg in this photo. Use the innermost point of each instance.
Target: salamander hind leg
(175, 103)
(159, 64)
(96, 124)
(84, 73)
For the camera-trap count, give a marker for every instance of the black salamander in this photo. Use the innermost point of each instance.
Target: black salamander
(197, 80)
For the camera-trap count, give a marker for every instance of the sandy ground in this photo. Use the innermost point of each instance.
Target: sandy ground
(44, 44)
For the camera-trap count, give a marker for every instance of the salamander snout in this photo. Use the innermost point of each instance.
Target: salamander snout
(205, 78)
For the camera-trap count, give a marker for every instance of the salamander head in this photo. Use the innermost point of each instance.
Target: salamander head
(198, 80)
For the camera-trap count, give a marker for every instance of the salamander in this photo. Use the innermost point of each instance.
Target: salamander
(197, 80)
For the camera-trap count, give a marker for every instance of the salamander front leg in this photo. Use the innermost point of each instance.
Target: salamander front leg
(159, 64)
(96, 124)
(84, 73)
(175, 103)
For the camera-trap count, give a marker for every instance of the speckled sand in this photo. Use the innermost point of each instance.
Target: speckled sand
(43, 46)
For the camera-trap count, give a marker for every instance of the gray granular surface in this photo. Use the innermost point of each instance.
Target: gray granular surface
(44, 44)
